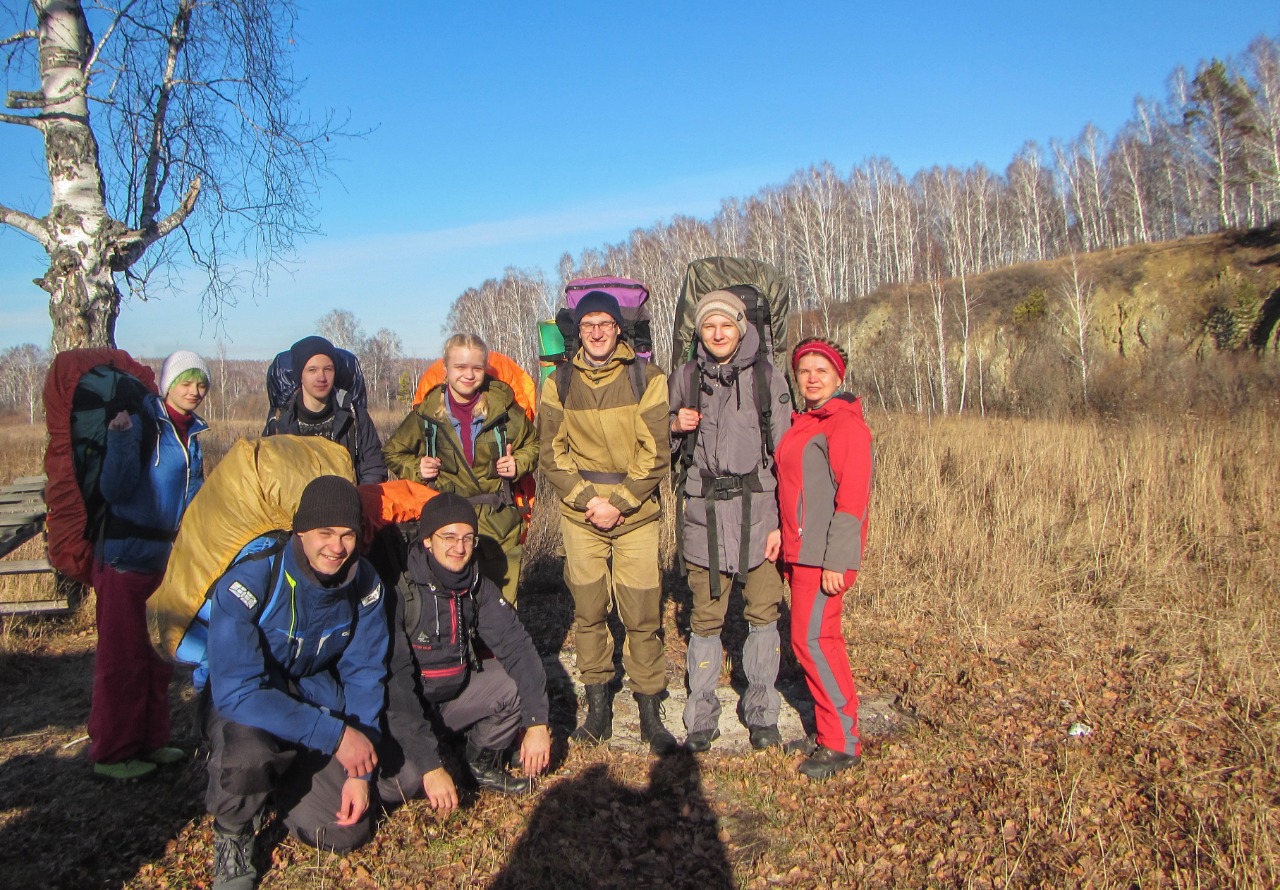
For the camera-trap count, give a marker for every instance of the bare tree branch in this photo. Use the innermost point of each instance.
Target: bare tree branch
(26, 223)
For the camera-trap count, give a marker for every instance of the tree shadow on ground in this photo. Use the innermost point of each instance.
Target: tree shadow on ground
(595, 832)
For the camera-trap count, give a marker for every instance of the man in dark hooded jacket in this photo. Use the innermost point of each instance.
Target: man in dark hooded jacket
(317, 408)
(461, 661)
(730, 536)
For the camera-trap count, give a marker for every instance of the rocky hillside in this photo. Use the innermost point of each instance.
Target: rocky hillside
(1148, 315)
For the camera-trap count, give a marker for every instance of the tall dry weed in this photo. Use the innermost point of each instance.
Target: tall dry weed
(1163, 531)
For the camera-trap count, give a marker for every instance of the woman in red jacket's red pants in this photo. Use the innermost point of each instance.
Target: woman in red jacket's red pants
(824, 484)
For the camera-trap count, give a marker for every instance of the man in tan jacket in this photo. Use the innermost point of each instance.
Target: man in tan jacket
(604, 448)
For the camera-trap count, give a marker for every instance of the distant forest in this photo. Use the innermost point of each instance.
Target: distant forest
(1203, 159)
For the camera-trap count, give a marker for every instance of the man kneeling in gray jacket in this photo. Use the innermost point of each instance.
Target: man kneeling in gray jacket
(461, 661)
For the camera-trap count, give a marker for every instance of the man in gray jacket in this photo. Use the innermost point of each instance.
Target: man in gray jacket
(729, 409)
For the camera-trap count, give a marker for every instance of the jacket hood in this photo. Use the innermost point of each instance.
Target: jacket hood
(841, 401)
(745, 357)
(497, 396)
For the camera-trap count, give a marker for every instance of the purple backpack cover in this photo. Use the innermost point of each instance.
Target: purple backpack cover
(632, 297)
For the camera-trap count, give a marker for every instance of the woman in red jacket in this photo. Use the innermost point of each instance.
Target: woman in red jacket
(824, 483)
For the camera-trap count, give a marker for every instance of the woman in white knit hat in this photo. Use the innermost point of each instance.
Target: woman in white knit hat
(150, 472)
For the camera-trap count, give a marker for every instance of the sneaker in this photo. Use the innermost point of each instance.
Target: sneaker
(825, 763)
(763, 737)
(165, 756)
(233, 858)
(700, 740)
(124, 771)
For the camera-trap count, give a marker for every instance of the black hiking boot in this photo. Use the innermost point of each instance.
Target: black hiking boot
(598, 724)
(486, 766)
(233, 858)
(700, 740)
(826, 762)
(661, 741)
(765, 737)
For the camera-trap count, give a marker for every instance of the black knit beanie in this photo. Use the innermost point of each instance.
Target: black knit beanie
(328, 502)
(444, 509)
(305, 349)
(597, 301)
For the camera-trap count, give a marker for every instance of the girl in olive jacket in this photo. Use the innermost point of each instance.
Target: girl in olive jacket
(469, 436)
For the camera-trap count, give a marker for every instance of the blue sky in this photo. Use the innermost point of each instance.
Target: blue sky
(504, 134)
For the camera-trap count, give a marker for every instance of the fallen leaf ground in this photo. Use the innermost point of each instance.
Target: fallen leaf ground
(1175, 785)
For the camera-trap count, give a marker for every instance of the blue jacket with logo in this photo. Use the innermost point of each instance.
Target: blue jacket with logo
(305, 660)
(147, 485)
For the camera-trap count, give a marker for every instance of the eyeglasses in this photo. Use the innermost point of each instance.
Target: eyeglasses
(590, 327)
(452, 541)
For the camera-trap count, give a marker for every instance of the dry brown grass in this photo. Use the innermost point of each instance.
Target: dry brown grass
(1022, 576)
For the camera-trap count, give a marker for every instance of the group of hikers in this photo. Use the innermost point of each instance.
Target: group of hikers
(332, 677)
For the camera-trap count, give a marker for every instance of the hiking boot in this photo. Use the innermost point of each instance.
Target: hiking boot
(233, 858)
(765, 737)
(486, 766)
(700, 740)
(124, 771)
(598, 724)
(660, 740)
(165, 755)
(805, 745)
(825, 763)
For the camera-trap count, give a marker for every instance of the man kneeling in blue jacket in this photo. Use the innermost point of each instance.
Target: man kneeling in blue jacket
(447, 616)
(297, 654)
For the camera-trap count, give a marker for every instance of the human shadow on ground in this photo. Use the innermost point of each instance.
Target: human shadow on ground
(592, 831)
(64, 827)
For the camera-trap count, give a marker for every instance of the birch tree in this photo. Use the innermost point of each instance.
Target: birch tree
(159, 118)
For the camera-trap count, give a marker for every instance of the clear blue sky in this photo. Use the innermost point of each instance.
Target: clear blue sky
(504, 134)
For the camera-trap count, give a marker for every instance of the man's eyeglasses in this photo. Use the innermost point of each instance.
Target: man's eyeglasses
(452, 541)
(590, 327)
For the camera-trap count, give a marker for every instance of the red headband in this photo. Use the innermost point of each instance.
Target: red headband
(826, 350)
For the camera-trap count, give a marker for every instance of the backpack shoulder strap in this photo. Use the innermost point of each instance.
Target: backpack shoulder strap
(638, 372)
(764, 406)
(564, 377)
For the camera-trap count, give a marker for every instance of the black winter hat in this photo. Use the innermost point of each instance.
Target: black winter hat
(444, 509)
(302, 352)
(597, 301)
(328, 502)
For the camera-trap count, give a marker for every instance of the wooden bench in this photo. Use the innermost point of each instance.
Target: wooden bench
(22, 515)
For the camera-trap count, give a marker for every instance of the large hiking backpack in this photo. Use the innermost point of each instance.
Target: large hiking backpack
(766, 293)
(346, 375)
(500, 367)
(559, 342)
(83, 391)
(633, 299)
(767, 297)
(254, 490)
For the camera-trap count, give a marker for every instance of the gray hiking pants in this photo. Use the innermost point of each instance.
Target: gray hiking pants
(247, 764)
(487, 710)
(760, 652)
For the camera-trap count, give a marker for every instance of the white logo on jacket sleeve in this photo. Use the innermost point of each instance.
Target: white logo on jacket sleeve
(242, 593)
(373, 596)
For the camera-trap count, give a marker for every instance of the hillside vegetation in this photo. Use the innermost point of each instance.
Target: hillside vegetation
(1189, 323)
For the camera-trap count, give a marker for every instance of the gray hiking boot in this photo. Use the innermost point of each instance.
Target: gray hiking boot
(660, 739)
(233, 858)
(598, 724)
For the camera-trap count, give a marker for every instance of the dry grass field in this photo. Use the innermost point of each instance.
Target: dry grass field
(1080, 615)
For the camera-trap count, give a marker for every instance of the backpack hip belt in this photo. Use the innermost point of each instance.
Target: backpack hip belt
(726, 488)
